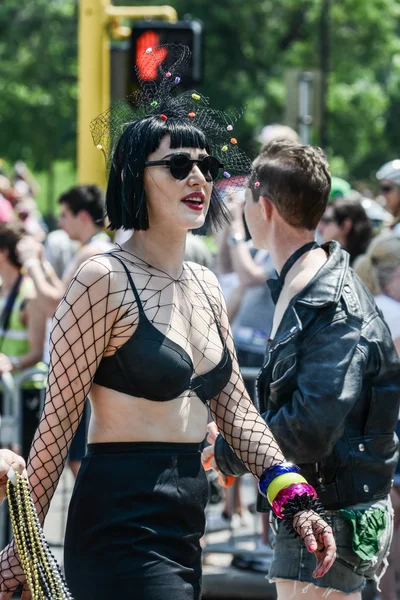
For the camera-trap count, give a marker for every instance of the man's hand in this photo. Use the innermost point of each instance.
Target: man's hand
(28, 248)
(9, 460)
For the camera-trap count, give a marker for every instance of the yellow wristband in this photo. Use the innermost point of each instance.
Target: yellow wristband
(281, 482)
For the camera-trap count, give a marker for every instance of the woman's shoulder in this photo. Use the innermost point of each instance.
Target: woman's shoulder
(96, 264)
(100, 284)
(101, 270)
(203, 273)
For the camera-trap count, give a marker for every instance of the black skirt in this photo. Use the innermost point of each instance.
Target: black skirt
(135, 521)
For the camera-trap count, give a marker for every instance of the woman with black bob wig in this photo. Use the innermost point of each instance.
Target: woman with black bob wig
(126, 197)
(147, 335)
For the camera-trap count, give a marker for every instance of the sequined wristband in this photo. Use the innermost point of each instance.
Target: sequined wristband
(285, 497)
(272, 473)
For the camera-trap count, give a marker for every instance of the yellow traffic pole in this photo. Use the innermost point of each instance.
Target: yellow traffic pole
(93, 86)
(165, 12)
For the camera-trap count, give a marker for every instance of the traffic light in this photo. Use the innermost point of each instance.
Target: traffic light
(149, 34)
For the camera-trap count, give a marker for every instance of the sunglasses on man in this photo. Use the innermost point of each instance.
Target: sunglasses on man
(181, 165)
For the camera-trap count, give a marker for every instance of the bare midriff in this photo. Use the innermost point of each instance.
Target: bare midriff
(118, 417)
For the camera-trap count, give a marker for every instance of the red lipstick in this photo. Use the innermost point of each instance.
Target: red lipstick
(194, 201)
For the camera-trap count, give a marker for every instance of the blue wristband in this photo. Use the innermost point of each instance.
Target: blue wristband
(273, 472)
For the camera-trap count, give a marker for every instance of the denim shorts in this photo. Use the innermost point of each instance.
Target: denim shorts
(291, 560)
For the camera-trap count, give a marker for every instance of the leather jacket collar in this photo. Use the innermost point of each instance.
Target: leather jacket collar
(324, 288)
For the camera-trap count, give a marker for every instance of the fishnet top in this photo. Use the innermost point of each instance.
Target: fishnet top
(97, 315)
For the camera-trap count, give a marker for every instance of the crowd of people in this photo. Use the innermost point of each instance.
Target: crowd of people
(139, 325)
(36, 268)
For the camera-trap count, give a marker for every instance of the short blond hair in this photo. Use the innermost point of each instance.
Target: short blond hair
(377, 266)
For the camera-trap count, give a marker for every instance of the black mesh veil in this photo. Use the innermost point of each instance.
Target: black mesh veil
(98, 314)
(162, 97)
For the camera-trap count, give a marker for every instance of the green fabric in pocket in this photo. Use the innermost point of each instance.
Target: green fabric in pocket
(368, 527)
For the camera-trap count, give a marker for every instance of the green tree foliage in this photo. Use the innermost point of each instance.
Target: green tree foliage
(38, 80)
(249, 46)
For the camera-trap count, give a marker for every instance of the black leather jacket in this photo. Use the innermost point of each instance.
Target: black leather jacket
(330, 389)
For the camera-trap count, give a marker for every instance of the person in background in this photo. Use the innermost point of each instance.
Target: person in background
(379, 217)
(379, 268)
(27, 212)
(23, 181)
(6, 208)
(59, 250)
(388, 177)
(340, 188)
(346, 222)
(22, 328)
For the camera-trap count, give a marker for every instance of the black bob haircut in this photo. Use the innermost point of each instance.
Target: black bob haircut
(125, 196)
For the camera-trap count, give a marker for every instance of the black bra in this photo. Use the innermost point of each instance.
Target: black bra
(152, 366)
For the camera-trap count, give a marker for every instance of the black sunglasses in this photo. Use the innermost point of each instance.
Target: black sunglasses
(181, 165)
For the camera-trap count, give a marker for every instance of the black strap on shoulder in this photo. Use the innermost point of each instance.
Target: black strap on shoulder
(137, 297)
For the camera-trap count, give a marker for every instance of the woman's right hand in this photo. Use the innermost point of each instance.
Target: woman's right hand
(11, 574)
(9, 460)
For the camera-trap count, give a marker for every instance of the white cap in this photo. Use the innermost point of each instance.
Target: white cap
(376, 212)
(390, 171)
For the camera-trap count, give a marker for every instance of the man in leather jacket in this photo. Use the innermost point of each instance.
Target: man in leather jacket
(329, 388)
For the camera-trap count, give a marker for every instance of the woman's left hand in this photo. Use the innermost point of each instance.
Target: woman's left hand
(318, 538)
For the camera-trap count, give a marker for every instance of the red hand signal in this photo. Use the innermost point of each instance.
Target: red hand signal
(147, 63)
